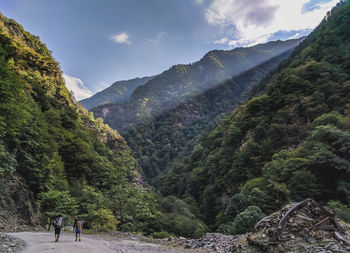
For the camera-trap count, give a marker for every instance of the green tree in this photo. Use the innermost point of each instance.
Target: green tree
(53, 203)
(102, 219)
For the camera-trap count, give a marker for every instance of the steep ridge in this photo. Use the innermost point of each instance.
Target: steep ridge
(289, 143)
(159, 141)
(167, 90)
(50, 147)
(118, 92)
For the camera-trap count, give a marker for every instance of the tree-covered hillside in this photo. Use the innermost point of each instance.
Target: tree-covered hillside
(159, 141)
(167, 90)
(55, 145)
(55, 158)
(118, 92)
(289, 143)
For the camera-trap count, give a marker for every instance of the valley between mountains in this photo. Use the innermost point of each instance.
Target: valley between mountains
(245, 150)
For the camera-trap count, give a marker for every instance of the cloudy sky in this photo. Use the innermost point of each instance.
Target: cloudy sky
(98, 42)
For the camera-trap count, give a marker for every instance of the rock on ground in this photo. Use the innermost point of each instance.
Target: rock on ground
(10, 244)
(299, 227)
(212, 242)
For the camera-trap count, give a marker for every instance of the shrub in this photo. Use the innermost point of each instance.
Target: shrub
(245, 221)
(53, 203)
(161, 234)
(238, 203)
(227, 228)
(102, 220)
(340, 210)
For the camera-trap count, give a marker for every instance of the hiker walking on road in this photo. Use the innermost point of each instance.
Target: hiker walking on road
(58, 223)
(78, 228)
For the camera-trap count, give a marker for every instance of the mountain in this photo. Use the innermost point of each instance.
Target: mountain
(55, 158)
(118, 92)
(180, 82)
(158, 141)
(52, 150)
(289, 142)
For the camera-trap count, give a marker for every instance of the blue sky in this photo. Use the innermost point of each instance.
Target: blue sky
(98, 42)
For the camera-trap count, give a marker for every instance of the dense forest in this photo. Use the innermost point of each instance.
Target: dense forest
(159, 141)
(55, 158)
(289, 142)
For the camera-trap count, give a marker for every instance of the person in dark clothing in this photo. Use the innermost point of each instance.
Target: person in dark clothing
(78, 228)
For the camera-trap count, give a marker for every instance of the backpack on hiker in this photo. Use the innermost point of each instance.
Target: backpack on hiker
(57, 223)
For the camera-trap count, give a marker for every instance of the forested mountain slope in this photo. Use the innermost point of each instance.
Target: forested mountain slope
(157, 142)
(289, 143)
(47, 141)
(118, 92)
(55, 158)
(167, 90)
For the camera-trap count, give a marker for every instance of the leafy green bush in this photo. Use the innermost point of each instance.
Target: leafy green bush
(245, 221)
(53, 203)
(340, 210)
(239, 203)
(183, 226)
(160, 235)
(227, 228)
(102, 220)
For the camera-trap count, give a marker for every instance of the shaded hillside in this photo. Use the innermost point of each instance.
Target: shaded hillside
(180, 82)
(157, 142)
(289, 143)
(118, 92)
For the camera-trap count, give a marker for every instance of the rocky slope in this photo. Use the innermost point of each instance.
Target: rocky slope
(168, 89)
(118, 92)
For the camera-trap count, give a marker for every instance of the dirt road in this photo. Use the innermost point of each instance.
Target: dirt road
(38, 242)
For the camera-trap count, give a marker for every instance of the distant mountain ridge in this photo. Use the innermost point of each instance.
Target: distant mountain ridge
(180, 82)
(118, 92)
(160, 141)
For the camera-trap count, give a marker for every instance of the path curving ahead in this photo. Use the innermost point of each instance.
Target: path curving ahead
(38, 242)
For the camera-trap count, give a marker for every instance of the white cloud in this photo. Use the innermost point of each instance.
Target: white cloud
(254, 21)
(77, 87)
(160, 36)
(295, 36)
(226, 41)
(121, 38)
(199, 1)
